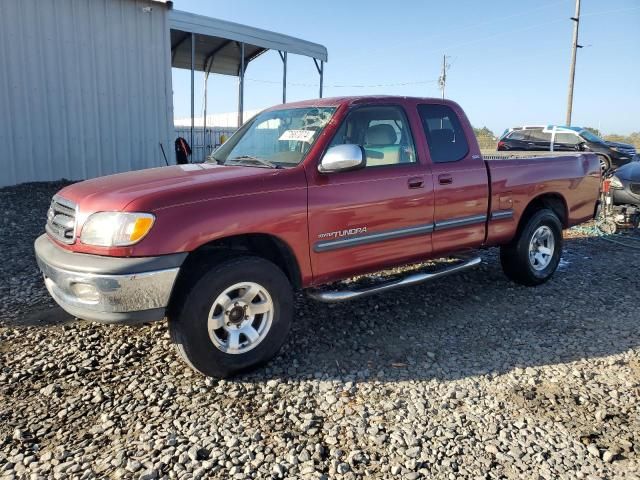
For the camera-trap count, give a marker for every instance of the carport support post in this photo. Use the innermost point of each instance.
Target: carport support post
(241, 87)
(283, 56)
(320, 68)
(204, 120)
(193, 101)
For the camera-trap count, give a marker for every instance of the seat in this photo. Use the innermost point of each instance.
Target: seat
(380, 145)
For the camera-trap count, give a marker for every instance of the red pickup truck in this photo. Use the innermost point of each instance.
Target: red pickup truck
(301, 196)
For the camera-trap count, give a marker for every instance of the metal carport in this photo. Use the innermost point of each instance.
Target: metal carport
(210, 45)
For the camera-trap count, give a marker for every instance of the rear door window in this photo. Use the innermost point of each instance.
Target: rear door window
(445, 136)
(567, 139)
(517, 135)
(540, 136)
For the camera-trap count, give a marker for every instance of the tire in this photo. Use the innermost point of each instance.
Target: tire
(605, 164)
(542, 230)
(211, 327)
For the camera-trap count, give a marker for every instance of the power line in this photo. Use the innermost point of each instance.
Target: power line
(523, 29)
(440, 80)
(605, 12)
(493, 21)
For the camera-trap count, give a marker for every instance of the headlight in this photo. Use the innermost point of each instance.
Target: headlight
(116, 229)
(616, 183)
(615, 149)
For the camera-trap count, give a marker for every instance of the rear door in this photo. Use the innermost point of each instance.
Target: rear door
(566, 142)
(460, 180)
(380, 215)
(517, 140)
(539, 140)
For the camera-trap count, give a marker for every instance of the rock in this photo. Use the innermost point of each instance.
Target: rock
(601, 415)
(412, 452)
(279, 470)
(133, 465)
(610, 455)
(593, 450)
(473, 376)
(49, 390)
(491, 448)
(149, 475)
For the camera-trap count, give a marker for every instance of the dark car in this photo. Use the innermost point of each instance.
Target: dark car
(567, 139)
(625, 184)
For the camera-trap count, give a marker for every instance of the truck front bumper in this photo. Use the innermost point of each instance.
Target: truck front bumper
(108, 289)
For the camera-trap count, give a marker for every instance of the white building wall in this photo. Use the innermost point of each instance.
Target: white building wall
(85, 88)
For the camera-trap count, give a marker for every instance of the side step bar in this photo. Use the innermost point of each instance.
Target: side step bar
(334, 296)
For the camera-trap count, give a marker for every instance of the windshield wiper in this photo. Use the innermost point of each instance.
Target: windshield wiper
(249, 158)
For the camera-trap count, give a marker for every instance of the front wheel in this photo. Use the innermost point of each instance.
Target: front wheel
(235, 317)
(533, 256)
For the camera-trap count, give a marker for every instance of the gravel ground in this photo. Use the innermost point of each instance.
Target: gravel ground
(471, 377)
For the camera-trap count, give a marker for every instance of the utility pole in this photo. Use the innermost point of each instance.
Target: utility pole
(442, 81)
(574, 51)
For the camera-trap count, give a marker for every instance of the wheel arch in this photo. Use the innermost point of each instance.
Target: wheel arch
(606, 157)
(261, 245)
(267, 246)
(553, 201)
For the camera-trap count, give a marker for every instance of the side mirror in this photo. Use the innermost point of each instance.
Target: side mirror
(342, 158)
(581, 147)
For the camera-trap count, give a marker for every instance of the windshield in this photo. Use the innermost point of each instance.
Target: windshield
(590, 137)
(275, 139)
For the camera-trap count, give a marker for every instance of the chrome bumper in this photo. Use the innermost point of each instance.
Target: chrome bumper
(108, 289)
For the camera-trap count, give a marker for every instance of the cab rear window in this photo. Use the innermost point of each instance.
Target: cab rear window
(445, 136)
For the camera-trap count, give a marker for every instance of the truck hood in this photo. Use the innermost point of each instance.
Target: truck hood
(157, 188)
(620, 145)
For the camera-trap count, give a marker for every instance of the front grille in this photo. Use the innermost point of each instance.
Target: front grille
(635, 188)
(61, 220)
(627, 151)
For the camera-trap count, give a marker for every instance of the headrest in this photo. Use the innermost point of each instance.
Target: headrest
(381, 134)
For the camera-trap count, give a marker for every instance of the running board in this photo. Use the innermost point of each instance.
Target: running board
(334, 296)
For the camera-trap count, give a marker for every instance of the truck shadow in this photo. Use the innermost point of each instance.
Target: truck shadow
(470, 324)
(46, 314)
(473, 323)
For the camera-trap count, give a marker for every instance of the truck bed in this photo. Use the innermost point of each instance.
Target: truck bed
(517, 179)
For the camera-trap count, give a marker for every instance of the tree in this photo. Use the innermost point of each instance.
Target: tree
(632, 138)
(486, 138)
(595, 131)
(483, 132)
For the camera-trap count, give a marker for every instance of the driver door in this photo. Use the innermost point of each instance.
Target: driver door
(380, 215)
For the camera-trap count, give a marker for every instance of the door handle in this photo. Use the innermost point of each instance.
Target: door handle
(415, 182)
(445, 179)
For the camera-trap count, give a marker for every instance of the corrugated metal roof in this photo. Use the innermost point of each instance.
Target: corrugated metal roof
(217, 39)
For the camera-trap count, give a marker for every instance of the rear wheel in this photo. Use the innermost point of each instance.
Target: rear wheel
(533, 256)
(235, 317)
(605, 165)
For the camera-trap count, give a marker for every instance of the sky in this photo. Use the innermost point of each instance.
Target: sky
(509, 60)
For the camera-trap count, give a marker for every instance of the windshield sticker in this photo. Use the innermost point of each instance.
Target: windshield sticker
(298, 135)
(190, 166)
